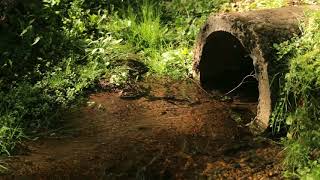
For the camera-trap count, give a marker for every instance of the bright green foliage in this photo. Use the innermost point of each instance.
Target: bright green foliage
(146, 30)
(246, 5)
(255, 4)
(314, 174)
(299, 105)
(163, 33)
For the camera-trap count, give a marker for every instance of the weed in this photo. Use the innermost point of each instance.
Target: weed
(62, 55)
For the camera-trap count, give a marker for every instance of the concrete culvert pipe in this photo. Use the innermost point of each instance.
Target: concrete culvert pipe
(233, 47)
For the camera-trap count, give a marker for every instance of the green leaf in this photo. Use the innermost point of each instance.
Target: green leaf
(36, 40)
(26, 30)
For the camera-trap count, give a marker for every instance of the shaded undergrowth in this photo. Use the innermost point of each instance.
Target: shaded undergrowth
(53, 52)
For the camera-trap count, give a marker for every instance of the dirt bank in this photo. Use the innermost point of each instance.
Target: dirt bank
(175, 131)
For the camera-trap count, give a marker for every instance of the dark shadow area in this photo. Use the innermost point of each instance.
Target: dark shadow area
(224, 65)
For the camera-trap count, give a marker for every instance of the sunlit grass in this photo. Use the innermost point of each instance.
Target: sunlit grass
(147, 31)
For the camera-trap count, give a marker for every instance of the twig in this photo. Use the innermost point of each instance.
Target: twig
(199, 86)
(3, 167)
(144, 168)
(242, 82)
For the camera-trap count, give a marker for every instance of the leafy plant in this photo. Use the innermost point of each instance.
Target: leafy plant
(61, 56)
(299, 108)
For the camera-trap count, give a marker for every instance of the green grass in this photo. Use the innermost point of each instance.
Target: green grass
(162, 36)
(147, 30)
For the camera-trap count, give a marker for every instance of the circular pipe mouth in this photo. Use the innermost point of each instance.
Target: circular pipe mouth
(225, 66)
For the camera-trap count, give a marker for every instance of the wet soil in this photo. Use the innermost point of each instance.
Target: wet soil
(175, 131)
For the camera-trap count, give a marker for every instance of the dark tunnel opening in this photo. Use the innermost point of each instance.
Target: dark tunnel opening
(225, 64)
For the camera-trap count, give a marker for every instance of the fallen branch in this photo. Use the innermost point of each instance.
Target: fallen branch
(140, 173)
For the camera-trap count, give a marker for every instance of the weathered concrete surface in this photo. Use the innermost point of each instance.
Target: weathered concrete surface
(256, 32)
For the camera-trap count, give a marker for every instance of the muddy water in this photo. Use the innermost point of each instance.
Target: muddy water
(174, 131)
